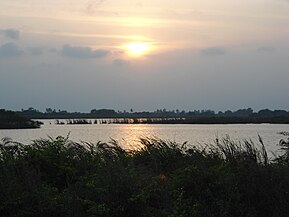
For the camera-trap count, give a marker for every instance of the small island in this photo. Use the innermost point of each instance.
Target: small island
(10, 120)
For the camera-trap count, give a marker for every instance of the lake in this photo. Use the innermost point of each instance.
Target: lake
(128, 134)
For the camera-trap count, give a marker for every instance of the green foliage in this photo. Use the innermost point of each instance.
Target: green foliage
(58, 177)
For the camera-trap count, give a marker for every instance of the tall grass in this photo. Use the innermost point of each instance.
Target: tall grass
(58, 177)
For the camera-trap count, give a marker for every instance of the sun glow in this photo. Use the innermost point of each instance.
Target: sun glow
(137, 48)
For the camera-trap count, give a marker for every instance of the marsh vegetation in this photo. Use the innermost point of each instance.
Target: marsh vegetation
(58, 177)
(164, 116)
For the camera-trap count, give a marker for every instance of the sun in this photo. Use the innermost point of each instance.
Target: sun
(137, 48)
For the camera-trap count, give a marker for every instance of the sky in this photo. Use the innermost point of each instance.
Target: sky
(199, 54)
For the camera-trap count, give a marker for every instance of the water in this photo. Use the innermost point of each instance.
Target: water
(128, 135)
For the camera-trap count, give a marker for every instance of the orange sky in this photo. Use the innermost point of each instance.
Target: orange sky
(189, 44)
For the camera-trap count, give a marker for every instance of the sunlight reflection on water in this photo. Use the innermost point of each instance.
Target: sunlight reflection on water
(129, 135)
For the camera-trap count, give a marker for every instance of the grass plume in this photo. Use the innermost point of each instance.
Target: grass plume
(58, 177)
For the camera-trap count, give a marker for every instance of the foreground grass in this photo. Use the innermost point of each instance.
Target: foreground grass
(57, 177)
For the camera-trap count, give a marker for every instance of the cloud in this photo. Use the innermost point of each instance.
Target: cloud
(92, 5)
(83, 52)
(10, 33)
(120, 62)
(35, 51)
(10, 50)
(266, 49)
(52, 50)
(213, 51)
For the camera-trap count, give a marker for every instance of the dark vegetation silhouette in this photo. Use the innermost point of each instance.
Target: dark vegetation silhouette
(163, 116)
(58, 177)
(11, 120)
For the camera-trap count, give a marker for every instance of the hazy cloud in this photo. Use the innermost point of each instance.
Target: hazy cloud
(120, 62)
(10, 50)
(266, 49)
(52, 50)
(139, 4)
(35, 51)
(213, 51)
(10, 33)
(92, 5)
(83, 52)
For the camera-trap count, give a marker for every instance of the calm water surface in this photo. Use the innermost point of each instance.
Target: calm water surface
(128, 135)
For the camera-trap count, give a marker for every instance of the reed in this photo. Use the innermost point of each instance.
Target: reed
(59, 177)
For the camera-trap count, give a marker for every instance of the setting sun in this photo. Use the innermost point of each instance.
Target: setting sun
(137, 49)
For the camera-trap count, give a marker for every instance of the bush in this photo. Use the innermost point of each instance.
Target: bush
(58, 177)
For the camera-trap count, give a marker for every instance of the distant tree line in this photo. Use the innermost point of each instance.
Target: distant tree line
(159, 113)
(22, 119)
